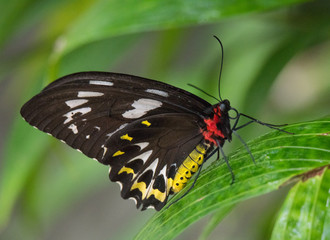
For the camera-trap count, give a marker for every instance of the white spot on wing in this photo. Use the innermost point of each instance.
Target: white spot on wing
(76, 102)
(89, 94)
(163, 172)
(105, 149)
(70, 114)
(144, 156)
(149, 188)
(152, 166)
(87, 137)
(131, 198)
(120, 185)
(73, 128)
(103, 83)
(121, 127)
(142, 145)
(141, 107)
(158, 92)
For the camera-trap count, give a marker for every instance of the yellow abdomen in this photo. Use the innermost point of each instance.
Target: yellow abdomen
(189, 166)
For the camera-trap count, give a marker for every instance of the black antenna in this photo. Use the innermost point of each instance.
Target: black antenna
(221, 64)
(191, 85)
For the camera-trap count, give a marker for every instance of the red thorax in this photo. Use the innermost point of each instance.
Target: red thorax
(212, 133)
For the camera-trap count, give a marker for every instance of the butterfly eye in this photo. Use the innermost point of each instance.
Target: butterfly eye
(223, 107)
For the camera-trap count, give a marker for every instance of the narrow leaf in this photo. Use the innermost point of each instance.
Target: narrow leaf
(305, 213)
(21, 157)
(137, 16)
(215, 220)
(279, 157)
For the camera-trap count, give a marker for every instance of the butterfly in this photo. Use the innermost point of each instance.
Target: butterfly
(154, 136)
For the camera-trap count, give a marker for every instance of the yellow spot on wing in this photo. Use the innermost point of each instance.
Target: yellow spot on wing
(118, 153)
(142, 188)
(126, 137)
(146, 122)
(169, 184)
(161, 196)
(125, 169)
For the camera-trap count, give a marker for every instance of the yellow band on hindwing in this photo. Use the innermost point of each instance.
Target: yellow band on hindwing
(141, 186)
(189, 166)
(127, 170)
(161, 196)
(169, 185)
(173, 185)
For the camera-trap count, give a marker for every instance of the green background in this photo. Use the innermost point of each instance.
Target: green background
(276, 68)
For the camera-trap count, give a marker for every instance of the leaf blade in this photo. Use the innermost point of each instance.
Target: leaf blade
(279, 157)
(304, 214)
(130, 17)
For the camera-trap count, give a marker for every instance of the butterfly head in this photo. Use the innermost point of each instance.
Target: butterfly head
(224, 106)
(222, 109)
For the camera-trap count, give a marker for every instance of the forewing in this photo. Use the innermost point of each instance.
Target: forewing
(85, 109)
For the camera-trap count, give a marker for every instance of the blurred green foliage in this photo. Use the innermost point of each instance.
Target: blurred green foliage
(277, 55)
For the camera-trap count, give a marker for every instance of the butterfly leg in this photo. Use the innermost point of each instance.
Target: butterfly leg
(228, 165)
(245, 145)
(272, 126)
(239, 137)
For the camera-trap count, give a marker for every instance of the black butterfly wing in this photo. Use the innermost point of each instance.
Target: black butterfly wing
(146, 154)
(88, 111)
(85, 109)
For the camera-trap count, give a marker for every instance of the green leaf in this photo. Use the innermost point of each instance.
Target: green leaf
(25, 150)
(9, 17)
(305, 213)
(276, 61)
(69, 175)
(279, 157)
(132, 16)
(215, 220)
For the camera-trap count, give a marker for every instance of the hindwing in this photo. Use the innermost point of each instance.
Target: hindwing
(145, 155)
